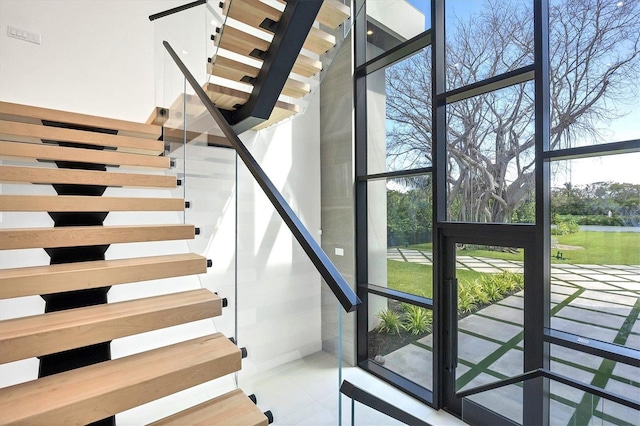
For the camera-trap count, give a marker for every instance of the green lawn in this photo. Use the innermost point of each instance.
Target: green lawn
(603, 248)
(416, 279)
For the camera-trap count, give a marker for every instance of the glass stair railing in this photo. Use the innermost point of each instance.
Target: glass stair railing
(236, 220)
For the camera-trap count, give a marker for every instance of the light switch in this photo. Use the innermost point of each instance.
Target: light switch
(21, 34)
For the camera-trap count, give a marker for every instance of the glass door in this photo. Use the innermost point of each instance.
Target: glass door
(483, 293)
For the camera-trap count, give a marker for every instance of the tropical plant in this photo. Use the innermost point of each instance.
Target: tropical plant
(477, 289)
(390, 322)
(466, 298)
(417, 320)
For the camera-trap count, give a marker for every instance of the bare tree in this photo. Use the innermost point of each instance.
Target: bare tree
(595, 59)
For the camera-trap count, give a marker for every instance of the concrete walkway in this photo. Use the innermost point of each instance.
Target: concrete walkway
(600, 302)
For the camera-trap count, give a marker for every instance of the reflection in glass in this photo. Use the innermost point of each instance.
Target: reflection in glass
(595, 248)
(490, 157)
(486, 38)
(399, 115)
(392, 22)
(400, 248)
(595, 63)
(400, 339)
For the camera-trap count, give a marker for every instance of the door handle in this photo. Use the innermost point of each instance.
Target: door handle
(452, 323)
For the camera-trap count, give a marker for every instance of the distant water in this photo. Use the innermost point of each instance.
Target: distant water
(597, 228)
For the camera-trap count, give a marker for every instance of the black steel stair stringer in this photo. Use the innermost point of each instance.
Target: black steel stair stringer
(296, 22)
(92, 354)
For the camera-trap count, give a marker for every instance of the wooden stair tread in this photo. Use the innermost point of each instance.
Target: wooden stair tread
(231, 70)
(235, 40)
(47, 279)
(319, 41)
(59, 153)
(73, 397)
(306, 66)
(254, 12)
(230, 409)
(250, 12)
(227, 98)
(53, 332)
(236, 71)
(158, 116)
(78, 203)
(32, 114)
(239, 42)
(33, 133)
(83, 177)
(332, 13)
(72, 236)
(296, 89)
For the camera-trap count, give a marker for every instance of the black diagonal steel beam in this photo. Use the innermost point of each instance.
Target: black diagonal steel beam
(291, 32)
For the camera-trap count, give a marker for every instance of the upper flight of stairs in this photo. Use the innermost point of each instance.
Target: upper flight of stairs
(232, 40)
(78, 382)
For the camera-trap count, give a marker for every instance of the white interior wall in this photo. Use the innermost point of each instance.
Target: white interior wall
(97, 58)
(278, 286)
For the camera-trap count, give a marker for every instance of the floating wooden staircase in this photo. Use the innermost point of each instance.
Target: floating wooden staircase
(78, 381)
(233, 39)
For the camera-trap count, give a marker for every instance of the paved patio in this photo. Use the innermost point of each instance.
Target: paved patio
(599, 302)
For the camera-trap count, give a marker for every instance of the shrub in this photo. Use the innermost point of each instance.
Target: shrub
(493, 289)
(565, 227)
(390, 322)
(477, 290)
(504, 282)
(487, 289)
(416, 320)
(466, 298)
(597, 219)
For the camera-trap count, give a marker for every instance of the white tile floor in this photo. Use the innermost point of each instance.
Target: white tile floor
(304, 392)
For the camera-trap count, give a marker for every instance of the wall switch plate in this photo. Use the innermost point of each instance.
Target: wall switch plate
(339, 251)
(25, 35)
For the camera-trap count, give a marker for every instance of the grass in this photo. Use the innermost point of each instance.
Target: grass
(602, 248)
(416, 279)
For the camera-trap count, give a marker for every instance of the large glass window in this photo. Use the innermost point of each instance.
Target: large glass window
(486, 38)
(594, 72)
(470, 168)
(399, 115)
(399, 252)
(490, 157)
(595, 248)
(400, 248)
(400, 339)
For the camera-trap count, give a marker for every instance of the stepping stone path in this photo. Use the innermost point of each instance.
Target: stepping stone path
(600, 302)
